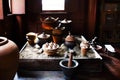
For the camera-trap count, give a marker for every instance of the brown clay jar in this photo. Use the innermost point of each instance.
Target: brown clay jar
(70, 41)
(9, 56)
(49, 23)
(84, 45)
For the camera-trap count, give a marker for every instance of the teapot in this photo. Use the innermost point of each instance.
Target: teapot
(49, 23)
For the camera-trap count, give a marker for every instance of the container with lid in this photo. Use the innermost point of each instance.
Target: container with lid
(43, 38)
(70, 41)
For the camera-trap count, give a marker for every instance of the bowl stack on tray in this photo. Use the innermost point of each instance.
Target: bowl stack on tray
(50, 48)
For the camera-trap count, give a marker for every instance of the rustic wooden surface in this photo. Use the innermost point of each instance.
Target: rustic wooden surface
(31, 59)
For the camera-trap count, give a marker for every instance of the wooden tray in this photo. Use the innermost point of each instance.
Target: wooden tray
(32, 59)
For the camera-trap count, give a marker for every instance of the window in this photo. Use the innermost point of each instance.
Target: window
(53, 5)
(17, 6)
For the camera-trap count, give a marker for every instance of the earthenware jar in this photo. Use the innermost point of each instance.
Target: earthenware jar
(57, 34)
(31, 36)
(84, 45)
(43, 38)
(9, 56)
(49, 23)
(70, 41)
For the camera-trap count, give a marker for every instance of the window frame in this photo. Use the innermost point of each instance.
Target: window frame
(55, 11)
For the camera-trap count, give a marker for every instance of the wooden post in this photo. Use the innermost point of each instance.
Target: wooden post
(91, 17)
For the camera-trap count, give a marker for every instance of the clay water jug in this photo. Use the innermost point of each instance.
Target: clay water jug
(9, 56)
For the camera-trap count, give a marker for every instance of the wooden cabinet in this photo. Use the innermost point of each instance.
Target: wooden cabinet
(110, 21)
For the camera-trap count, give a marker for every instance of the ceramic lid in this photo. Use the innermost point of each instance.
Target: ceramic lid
(43, 36)
(70, 38)
(65, 21)
(49, 20)
(84, 44)
(31, 34)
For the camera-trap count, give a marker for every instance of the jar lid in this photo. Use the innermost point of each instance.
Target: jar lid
(84, 44)
(65, 21)
(70, 38)
(43, 36)
(49, 20)
(31, 34)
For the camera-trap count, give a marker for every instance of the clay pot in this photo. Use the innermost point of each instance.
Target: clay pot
(49, 23)
(69, 72)
(84, 45)
(70, 41)
(31, 36)
(43, 38)
(9, 56)
(57, 35)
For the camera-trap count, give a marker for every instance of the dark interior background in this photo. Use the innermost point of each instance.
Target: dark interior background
(85, 16)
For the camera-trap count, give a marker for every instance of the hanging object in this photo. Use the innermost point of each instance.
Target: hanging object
(18, 6)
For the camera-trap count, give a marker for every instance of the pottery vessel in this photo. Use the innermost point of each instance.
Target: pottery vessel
(31, 36)
(9, 56)
(70, 41)
(49, 23)
(57, 34)
(43, 38)
(84, 45)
